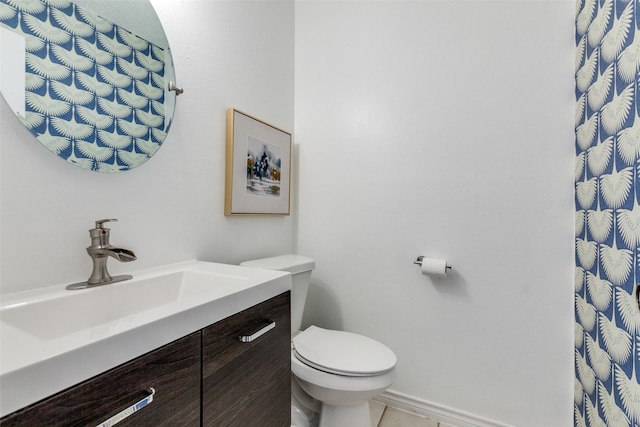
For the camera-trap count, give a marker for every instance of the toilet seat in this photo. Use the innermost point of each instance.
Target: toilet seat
(342, 353)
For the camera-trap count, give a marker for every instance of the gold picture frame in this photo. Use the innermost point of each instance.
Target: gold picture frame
(258, 167)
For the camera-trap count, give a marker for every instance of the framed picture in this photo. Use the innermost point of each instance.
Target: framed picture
(258, 167)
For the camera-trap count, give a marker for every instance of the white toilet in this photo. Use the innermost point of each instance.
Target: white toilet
(339, 371)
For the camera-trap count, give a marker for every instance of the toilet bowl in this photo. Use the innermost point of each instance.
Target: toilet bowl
(343, 371)
(334, 373)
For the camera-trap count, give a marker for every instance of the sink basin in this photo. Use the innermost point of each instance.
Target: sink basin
(74, 311)
(52, 338)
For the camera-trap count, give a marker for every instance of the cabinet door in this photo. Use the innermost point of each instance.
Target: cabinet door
(248, 384)
(172, 370)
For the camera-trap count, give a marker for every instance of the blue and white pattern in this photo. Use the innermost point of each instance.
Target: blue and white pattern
(607, 329)
(94, 91)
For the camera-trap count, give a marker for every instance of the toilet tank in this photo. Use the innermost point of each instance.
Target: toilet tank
(300, 268)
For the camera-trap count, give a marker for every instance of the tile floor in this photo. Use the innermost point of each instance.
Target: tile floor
(386, 416)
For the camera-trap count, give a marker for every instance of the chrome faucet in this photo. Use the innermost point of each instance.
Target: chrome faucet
(100, 251)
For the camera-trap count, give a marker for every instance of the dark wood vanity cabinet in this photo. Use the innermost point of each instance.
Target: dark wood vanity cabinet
(172, 370)
(207, 378)
(248, 384)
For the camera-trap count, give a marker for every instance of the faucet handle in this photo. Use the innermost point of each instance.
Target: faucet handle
(102, 221)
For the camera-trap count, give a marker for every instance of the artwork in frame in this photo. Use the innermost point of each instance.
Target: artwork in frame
(258, 167)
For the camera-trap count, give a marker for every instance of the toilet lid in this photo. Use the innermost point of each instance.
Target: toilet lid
(342, 353)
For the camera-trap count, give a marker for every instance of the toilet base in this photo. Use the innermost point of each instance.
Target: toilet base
(357, 415)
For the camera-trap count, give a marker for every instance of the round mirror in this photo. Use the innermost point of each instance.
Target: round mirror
(89, 78)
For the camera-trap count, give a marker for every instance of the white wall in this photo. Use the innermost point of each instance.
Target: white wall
(227, 54)
(444, 129)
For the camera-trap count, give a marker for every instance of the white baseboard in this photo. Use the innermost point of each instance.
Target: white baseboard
(444, 414)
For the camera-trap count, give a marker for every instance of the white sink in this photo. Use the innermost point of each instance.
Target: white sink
(73, 311)
(52, 338)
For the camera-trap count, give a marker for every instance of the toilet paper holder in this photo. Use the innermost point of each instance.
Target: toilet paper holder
(418, 261)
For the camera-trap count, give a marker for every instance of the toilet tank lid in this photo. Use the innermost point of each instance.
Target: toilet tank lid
(291, 263)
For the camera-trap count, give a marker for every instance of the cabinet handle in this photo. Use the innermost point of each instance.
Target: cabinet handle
(264, 330)
(130, 410)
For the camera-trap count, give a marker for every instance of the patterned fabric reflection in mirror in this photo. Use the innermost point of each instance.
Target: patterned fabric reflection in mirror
(95, 92)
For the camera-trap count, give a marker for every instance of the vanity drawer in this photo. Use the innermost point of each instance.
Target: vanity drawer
(173, 371)
(248, 383)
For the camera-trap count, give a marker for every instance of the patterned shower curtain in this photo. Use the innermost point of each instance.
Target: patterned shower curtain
(607, 328)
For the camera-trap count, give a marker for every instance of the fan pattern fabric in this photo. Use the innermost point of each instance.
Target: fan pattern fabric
(94, 91)
(607, 327)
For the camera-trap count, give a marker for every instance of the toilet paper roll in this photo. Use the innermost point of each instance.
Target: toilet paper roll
(434, 267)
